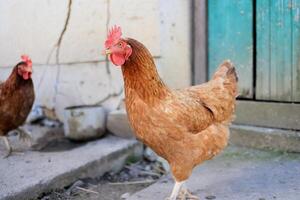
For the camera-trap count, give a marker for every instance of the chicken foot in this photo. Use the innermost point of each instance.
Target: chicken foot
(24, 135)
(185, 194)
(8, 147)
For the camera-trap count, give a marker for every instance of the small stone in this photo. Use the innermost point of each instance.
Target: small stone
(148, 168)
(164, 164)
(71, 189)
(125, 195)
(210, 197)
(50, 123)
(150, 155)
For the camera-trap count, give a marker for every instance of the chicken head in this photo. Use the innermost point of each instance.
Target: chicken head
(116, 48)
(25, 67)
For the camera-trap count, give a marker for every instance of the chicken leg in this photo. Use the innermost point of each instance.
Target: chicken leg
(176, 190)
(8, 147)
(181, 192)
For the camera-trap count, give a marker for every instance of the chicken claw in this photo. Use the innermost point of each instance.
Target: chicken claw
(9, 149)
(185, 194)
(24, 135)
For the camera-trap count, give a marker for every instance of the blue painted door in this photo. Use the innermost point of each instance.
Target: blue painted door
(278, 50)
(230, 36)
(266, 32)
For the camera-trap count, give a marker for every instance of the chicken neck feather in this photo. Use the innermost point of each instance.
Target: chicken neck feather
(140, 74)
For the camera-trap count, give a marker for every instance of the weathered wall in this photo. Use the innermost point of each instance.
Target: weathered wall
(175, 42)
(64, 39)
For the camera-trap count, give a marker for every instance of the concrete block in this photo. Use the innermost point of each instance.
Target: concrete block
(265, 138)
(268, 114)
(118, 124)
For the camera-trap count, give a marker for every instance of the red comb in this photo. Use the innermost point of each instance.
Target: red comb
(27, 60)
(113, 36)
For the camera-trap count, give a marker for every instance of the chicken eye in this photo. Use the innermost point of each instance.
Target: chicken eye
(120, 45)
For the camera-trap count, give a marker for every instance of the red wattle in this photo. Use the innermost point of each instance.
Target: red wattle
(25, 76)
(117, 59)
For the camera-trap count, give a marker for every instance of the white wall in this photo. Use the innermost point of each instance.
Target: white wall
(79, 74)
(175, 42)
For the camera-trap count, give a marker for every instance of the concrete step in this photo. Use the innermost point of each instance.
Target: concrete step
(239, 173)
(265, 138)
(28, 175)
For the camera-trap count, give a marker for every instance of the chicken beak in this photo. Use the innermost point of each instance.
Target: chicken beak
(106, 52)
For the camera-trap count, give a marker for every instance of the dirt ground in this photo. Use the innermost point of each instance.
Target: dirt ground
(111, 186)
(104, 191)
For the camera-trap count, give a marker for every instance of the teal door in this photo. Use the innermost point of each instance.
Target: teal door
(230, 36)
(262, 38)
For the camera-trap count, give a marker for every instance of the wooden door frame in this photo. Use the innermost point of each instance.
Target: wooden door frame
(199, 41)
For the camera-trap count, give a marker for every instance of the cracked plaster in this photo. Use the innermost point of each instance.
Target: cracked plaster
(65, 39)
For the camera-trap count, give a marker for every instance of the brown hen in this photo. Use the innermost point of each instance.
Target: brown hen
(16, 100)
(187, 126)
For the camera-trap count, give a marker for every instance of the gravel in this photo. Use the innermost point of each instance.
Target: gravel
(135, 176)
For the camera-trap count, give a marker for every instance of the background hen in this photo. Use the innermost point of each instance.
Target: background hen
(16, 100)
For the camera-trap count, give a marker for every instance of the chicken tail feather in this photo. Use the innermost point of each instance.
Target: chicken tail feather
(227, 71)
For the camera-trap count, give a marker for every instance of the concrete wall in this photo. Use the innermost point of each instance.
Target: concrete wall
(175, 42)
(68, 66)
